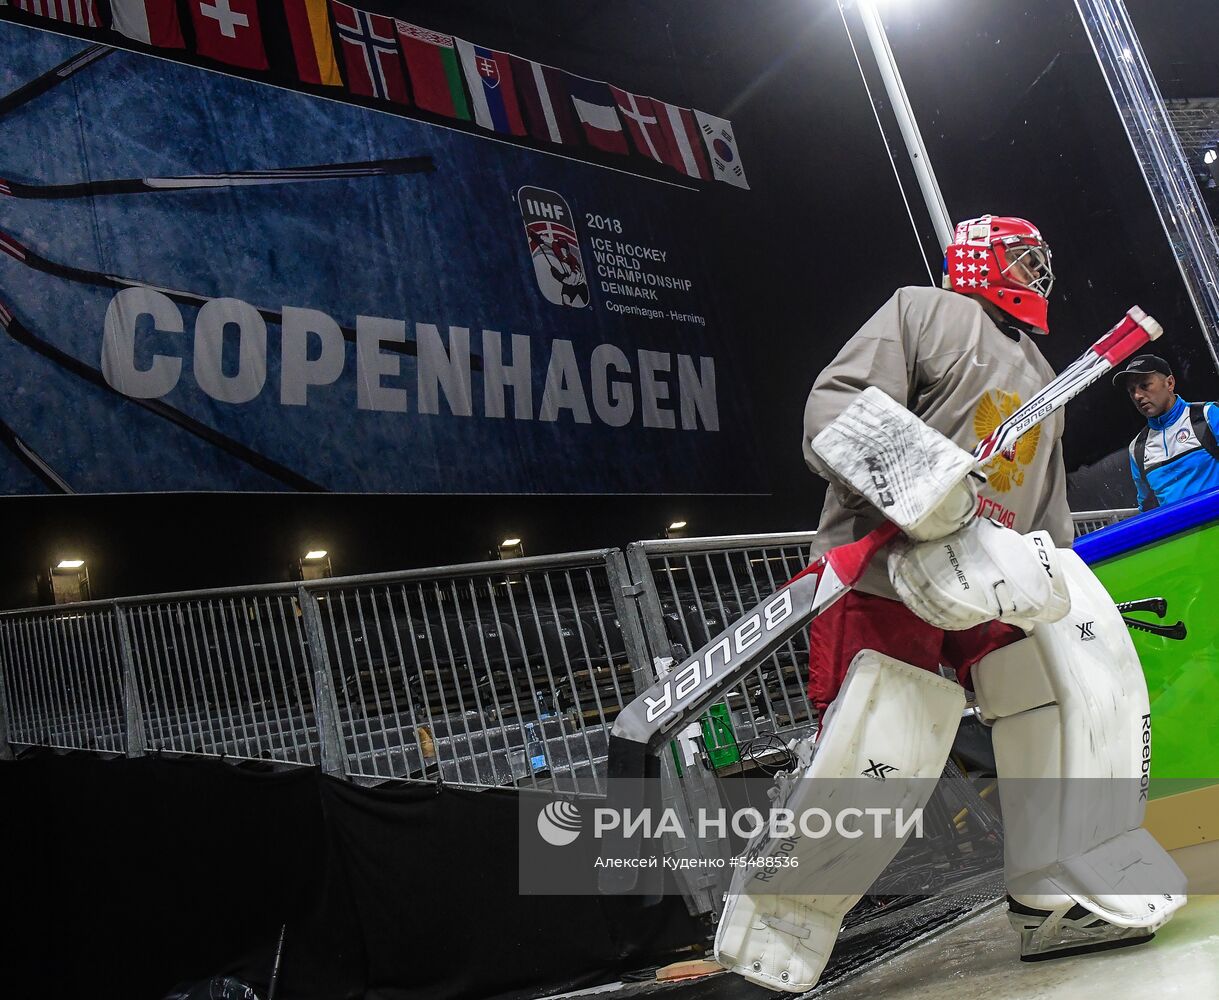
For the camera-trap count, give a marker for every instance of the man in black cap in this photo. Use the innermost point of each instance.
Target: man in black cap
(1176, 455)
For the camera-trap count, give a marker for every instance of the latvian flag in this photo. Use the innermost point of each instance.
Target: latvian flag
(153, 22)
(545, 102)
(312, 45)
(721, 146)
(370, 52)
(82, 12)
(431, 62)
(489, 75)
(228, 31)
(597, 112)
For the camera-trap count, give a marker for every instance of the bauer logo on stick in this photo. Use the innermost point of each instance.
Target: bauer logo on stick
(554, 247)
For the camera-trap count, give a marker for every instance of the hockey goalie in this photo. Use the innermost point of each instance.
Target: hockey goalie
(982, 586)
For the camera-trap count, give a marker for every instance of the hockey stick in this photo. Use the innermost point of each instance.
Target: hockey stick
(32, 460)
(230, 446)
(20, 252)
(685, 692)
(237, 178)
(52, 78)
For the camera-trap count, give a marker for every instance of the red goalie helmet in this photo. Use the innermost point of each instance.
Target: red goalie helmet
(1004, 260)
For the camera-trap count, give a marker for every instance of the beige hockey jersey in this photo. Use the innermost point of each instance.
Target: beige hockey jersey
(938, 353)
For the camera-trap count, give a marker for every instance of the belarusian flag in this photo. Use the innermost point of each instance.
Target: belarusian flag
(309, 26)
(431, 61)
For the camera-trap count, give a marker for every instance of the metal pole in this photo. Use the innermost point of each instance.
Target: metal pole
(1174, 191)
(6, 751)
(327, 708)
(133, 711)
(906, 121)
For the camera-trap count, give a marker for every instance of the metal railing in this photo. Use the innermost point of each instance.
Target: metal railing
(691, 589)
(1093, 520)
(507, 672)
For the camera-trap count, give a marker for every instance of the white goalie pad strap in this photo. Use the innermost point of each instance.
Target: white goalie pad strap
(1070, 703)
(889, 719)
(910, 472)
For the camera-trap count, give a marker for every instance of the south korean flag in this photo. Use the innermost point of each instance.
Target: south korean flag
(721, 147)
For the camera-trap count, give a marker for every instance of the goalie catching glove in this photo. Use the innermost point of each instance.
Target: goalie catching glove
(981, 573)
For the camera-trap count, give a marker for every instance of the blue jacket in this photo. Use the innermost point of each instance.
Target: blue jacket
(1176, 464)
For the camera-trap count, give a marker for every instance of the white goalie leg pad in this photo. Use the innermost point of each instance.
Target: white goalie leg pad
(1067, 703)
(910, 472)
(890, 722)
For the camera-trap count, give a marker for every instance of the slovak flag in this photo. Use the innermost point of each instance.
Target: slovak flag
(598, 114)
(721, 147)
(489, 75)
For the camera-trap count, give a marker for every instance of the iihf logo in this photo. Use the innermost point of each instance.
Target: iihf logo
(553, 247)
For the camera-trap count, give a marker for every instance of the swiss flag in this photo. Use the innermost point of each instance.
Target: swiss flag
(228, 31)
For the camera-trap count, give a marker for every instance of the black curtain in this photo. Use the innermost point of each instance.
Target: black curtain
(126, 877)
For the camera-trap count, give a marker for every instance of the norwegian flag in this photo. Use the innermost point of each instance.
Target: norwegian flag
(82, 12)
(370, 52)
(4, 188)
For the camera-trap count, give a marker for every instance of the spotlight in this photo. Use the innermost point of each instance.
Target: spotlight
(315, 565)
(1209, 157)
(677, 529)
(69, 581)
(511, 548)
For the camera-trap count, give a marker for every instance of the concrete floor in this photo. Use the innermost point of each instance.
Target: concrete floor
(979, 958)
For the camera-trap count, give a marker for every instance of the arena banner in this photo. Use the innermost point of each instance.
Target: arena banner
(331, 250)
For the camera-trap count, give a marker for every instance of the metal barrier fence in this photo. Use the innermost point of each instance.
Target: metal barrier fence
(691, 589)
(508, 672)
(505, 672)
(1093, 520)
